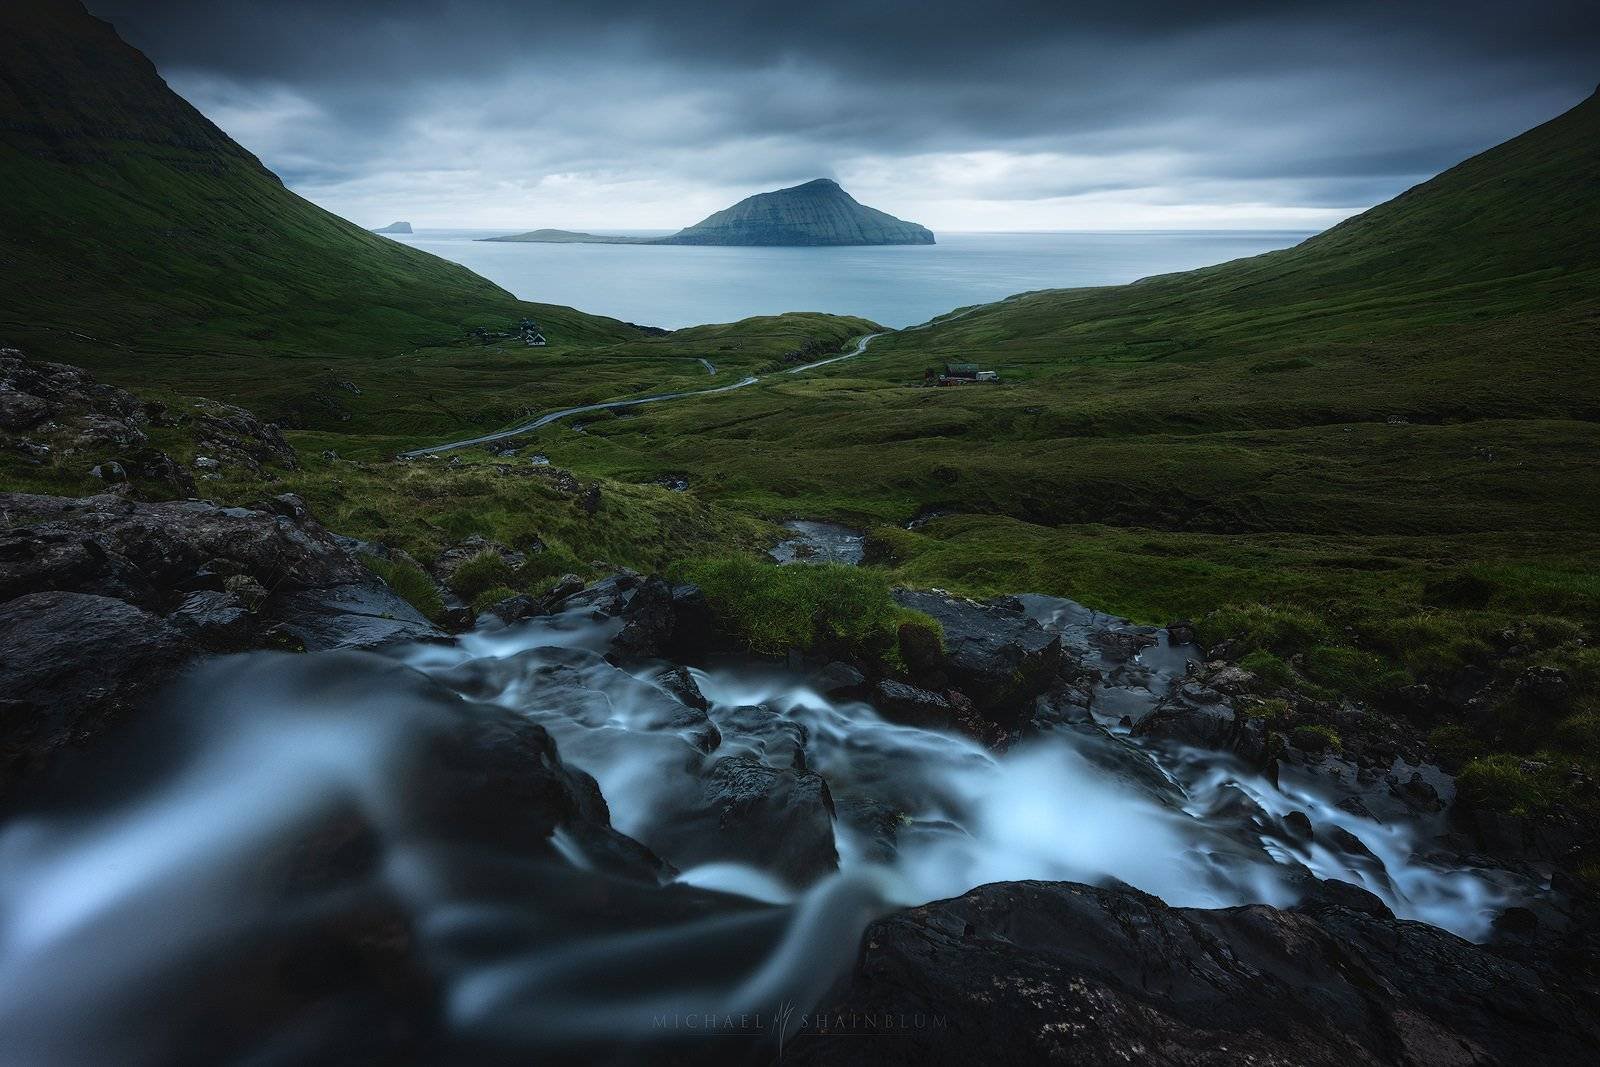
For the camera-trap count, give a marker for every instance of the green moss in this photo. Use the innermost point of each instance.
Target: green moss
(492, 596)
(1455, 743)
(1504, 783)
(1262, 627)
(410, 583)
(1273, 710)
(1353, 672)
(482, 572)
(772, 608)
(1269, 669)
(1316, 738)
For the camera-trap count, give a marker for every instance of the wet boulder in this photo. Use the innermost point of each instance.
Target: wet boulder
(679, 681)
(759, 731)
(70, 665)
(994, 653)
(1199, 716)
(908, 704)
(776, 818)
(215, 618)
(1057, 972)
(838, 681)
(649, 622)
(149, 586)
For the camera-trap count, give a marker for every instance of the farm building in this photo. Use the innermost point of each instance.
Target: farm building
(531, 334)
(960, 374)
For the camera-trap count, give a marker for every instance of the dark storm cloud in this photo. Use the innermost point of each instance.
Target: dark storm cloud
(478, 103)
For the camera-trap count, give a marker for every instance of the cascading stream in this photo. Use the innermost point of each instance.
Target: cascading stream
(113, 905)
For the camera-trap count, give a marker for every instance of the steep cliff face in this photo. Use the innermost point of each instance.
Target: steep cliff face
(816, 213)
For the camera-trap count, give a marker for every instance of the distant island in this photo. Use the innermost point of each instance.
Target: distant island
(571, 237)
(395, 227)
(816, 213)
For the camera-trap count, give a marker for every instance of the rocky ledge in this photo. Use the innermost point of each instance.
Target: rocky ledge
(103, 599)
(1057, 972)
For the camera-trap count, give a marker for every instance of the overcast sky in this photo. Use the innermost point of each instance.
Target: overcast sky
(959, 114)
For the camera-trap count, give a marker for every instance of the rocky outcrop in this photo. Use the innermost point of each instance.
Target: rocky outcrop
(230, 436)
(1199, 716)
(55, 414)
(1040, 972)
(816, 213)
(58, 415)
(995, 654)
(103, 598)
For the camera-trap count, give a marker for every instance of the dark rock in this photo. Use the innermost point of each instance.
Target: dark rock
(162, 472)
(838, 681)
(779, 819)
(591, 500)
(218, 620)
(680, 683)
(649, 621)
(763, 733)
(235, 437)
(83, 415)
(71, 664)
(1348, 842)
(1181, 632)
(1033, 972)
(351, 615)
(1516, 922)
(517, 608)
(1197, 716)
(567, 585)
(226, 578)
(1298, 824)
(1121, 645)
(455, 614)
(1418, 793)
(695, 633)
(1348, 895)
(915, 707)
(1065, 704)
(994, 653)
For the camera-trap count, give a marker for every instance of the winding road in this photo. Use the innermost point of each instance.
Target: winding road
(656, 398)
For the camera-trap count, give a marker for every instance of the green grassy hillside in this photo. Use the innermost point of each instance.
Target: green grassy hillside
(1340, 433)
(129, 217)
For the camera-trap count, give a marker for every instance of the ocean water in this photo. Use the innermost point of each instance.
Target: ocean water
(900, 285)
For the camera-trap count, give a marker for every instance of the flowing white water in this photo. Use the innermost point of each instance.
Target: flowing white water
(1079, 802)
(125, 917)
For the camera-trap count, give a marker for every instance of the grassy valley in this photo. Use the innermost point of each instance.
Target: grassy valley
(1364, 464)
